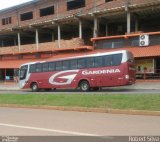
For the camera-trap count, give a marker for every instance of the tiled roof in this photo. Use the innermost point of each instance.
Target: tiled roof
(148, 51)
(10, 64)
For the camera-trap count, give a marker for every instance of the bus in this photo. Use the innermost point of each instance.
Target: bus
(87, 72)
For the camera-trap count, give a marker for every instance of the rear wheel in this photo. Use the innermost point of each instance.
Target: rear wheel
(84, 86)
(34, 87)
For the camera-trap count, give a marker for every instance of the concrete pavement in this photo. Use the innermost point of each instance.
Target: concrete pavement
(8, 86)
(51, 122)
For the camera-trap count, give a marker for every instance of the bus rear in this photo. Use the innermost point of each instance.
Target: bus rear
(129, 71)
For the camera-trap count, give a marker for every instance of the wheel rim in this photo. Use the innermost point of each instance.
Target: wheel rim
(84, 86)
(34, 87)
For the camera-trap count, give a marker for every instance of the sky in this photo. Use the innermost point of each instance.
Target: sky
(9, 3)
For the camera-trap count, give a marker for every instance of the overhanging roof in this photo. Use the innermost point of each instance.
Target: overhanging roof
(139, 52)
(11, 64)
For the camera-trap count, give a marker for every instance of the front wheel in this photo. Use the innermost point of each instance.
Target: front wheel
(84, 86)
(34, 87)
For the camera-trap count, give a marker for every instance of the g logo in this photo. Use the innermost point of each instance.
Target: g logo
(69, 78)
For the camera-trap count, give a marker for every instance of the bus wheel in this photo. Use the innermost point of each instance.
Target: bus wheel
(84, 86)
(34, 87)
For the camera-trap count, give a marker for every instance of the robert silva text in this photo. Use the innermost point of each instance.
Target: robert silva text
(144, 138)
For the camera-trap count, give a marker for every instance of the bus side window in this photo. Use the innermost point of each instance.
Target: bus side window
(108, 60)
(38, 67)
(73, 64)
(90, 63)
(51, 66)
(65, 65)
(32, 68)
(81, 63)
(98, 62)
(117, 59)
(45, 67)
(58, 66)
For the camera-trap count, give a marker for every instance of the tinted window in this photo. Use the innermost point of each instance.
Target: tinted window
(73, 64)
(65, 65)
(32, 68)
(51, 66)
(98, 62)
(108, 0)
(113, 43)
(135, 42)
(117, 58)
(74, 4)
(90, 62)
(58, 66)
(47, 11)
(6, 21)
(108, 60)
(81, 63)
(26, 16)
(38, 67)
(45, 67)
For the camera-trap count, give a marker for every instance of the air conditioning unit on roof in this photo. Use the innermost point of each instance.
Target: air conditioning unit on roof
(144, 40)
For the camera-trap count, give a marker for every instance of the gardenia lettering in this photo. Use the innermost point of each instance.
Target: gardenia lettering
(101, 71)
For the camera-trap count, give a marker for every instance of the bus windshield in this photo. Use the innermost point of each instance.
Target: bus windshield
(23, 72)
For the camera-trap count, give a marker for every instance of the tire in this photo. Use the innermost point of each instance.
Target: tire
(34, 87)
(84, 86)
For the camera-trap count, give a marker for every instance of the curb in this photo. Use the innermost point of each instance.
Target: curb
(81, 109)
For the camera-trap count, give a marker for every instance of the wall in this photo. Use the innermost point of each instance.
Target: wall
(48, 46)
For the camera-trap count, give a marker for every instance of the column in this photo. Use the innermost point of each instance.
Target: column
(128, 22)
(94, 6)
(57, 8)
(19, 42)
(52, 36)
(15, 42)
(37, 39)
(106, 29)
(95, 29)
(5, 72)
(59, 36)
(2, 43)
(80, 28)
(136, 25)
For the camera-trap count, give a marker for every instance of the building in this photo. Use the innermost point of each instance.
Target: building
(44, 29)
